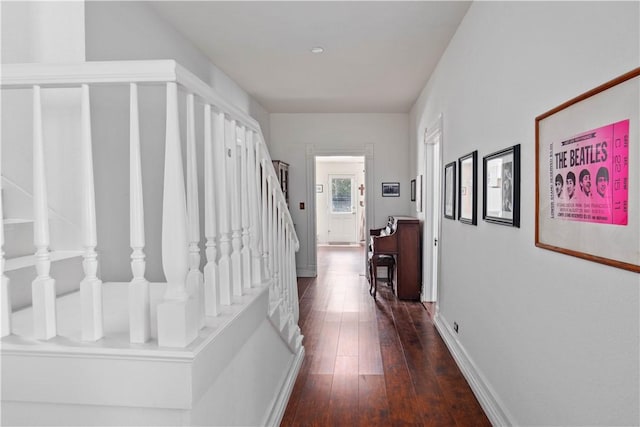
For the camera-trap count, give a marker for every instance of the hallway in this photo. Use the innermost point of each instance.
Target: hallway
(372, 362)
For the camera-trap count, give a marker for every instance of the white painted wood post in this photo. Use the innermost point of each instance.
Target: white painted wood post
(270, 227)
(90, 286)
(222, 198)
(177, 314)
(294, 281)
(253, 165)
(211, 284)
(43, 288)
(195, 279)
(236, 223)
(266, 272)
(139, 309)
(5, 295)
(244, 204)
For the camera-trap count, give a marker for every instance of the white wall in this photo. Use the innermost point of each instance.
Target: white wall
(323, 171)
(555, 337)
(296, 138)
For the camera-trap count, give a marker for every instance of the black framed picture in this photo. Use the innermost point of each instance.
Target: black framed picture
(450, 191)
(501, 187)
(413, 190)
(468, 188)
(390, 189)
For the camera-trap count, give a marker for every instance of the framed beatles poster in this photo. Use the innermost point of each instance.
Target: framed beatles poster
(587, 175)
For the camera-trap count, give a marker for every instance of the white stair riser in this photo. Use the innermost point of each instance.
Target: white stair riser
(18, 239)
(67, 273)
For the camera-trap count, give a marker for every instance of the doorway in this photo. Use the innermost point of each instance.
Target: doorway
(340, 200)
(433, 197)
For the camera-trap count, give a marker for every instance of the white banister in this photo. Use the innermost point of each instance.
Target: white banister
(4, 290)
(195, 285)
(249, 232)
(139, 310)
(43, 288)
(91, 286)
(253, 164)
(177, 314)
(236, 223)
(244, 203)
(221, 162)
(211, 284)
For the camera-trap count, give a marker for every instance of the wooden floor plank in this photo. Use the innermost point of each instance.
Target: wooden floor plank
(372, 362)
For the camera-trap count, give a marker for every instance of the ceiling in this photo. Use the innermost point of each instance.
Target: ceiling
(378, 55)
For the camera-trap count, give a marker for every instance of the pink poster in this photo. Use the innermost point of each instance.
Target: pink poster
(589, 176)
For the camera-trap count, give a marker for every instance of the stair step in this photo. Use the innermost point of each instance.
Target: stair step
(66, 269)
(30, 260)
(18, 237)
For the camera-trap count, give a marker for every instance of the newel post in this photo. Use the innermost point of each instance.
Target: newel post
(177, 314)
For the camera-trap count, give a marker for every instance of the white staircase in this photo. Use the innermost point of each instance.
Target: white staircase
(213, 342)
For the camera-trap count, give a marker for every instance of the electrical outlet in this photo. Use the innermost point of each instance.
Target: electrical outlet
(455, 327)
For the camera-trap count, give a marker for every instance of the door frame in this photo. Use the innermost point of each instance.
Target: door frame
(432, 230)
(312, 152)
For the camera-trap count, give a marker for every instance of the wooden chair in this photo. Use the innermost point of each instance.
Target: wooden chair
(376, 260)
(380, 260)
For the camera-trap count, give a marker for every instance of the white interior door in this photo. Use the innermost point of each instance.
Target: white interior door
(342, 209)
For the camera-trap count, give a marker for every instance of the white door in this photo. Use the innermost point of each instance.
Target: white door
(342, 209)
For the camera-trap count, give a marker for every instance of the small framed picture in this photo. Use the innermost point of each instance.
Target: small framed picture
(319, 188)
(468, 188)
(501, 187)
(450, 191)
(390, 189)
(413, 190)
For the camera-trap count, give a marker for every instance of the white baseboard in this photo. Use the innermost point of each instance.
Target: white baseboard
(490, 402)
(274, 418)
(306, 272)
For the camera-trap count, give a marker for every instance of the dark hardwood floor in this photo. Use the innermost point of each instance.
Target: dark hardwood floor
(372, 362)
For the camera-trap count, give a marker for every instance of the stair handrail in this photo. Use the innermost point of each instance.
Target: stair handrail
(19, 76)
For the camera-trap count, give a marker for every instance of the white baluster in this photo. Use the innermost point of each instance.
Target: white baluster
(253, 165)
(224, 264)
(43, 288)
(266, 272)
(4, 291)
(294, 282)
(211, 284)
(195, 280)
(236, 224)
(91, 286)
(275, 227)
(270, 227)
(244, 203)
(287, 263)
(177, 314)
(139, 309)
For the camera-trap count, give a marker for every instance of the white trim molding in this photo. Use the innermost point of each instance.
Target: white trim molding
(489, 400)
